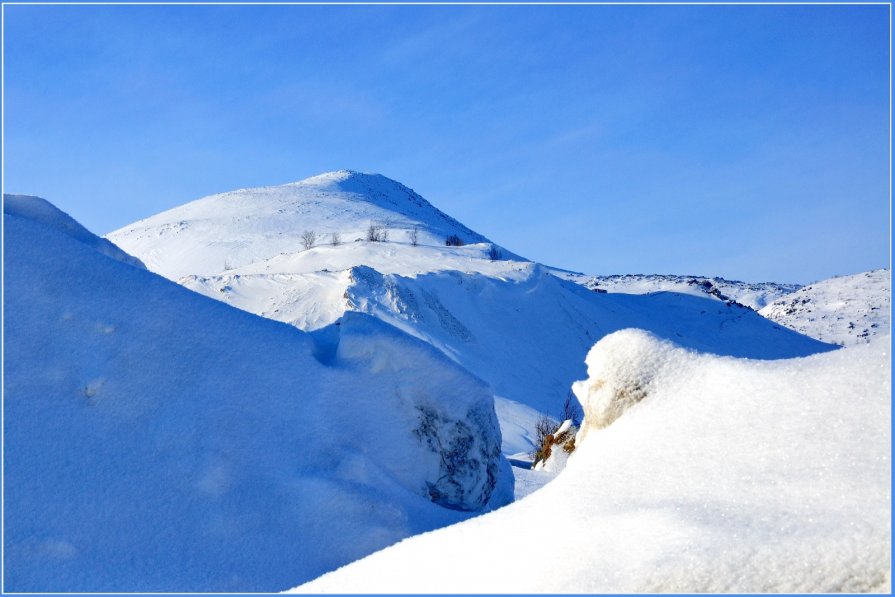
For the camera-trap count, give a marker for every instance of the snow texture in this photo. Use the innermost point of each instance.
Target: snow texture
(843, 310)
(156, 440)
(714, 474)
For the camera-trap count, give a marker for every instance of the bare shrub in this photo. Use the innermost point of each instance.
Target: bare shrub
(336, 239)
(377, 232)
(454, 241)
(414, 236)
(308, 238)
(550, 434)
(544, 428)
(494, 253)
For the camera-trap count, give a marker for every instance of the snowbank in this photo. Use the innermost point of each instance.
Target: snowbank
(723, 475)
(156, 440)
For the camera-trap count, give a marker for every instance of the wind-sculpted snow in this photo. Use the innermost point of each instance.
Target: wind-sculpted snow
(156, 440)
(693, 473)
(842, 310)
(43, 212)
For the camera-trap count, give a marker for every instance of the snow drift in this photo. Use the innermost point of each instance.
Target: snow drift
(156, 440)
(693, 473)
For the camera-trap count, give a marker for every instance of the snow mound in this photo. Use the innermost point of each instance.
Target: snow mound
(45, 213)
(621, 370)
(156, 440)
(728, 475)
(843, 310)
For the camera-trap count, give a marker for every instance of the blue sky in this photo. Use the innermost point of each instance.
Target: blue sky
(750, 142)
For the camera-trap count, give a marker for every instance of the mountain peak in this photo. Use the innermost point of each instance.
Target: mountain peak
(368, 185)
(337, 176)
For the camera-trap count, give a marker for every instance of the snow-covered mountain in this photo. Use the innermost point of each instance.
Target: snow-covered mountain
(754, 295)
(229, 230)
(843, 310)
(714, 475)
(511, 322)
(156, 440)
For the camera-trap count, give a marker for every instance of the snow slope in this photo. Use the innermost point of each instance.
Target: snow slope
(714, 474)
(213, 234)
(155, 440)
(521, 329)
(754, 295)
(843, 310)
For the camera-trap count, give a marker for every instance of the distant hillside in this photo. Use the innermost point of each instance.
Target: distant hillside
(842, 310)
(754, 295)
